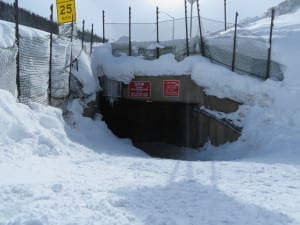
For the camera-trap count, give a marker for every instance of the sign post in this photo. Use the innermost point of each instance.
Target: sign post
(66, 11)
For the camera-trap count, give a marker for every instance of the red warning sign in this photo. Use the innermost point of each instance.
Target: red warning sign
(139, 89)
(171, 88)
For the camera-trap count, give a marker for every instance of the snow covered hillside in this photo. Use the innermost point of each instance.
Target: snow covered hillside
(272, 121)
(79, 173)
(287, 6)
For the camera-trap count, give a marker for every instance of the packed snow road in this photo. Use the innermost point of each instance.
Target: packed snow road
(118, 190)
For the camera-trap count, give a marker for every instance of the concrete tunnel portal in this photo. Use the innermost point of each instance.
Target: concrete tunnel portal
(168, 110)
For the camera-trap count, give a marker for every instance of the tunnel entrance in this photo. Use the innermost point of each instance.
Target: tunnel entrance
(151, 122)
(164, 129)
(170, 111)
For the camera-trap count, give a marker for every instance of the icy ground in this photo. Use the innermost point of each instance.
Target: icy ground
(54, 173)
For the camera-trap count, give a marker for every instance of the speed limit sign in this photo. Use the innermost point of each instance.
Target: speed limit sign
(66, 11)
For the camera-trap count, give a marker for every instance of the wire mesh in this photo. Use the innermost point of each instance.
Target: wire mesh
(8, 69)
(34, 68)
(251, 51)
(251, 55)
(168, 29)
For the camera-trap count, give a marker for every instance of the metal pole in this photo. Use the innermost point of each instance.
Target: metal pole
(225, 14)
(191, 20)
(270, 44)
(17, 34)
(50, 60)
(92, 39)
(82, 41)
(157, 32)
(234, 42)
(200, 30)
(173, 33)
(173, 23)
(103, 25)
(129, 47)
(186, 30)
(71, 56)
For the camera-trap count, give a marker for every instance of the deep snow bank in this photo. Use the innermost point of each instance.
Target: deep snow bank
(272, 130)
(41, 131)
(125, 68)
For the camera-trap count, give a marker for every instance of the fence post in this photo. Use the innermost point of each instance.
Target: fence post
(157, 32)
(103, 26)
(234, 42)
(200, 30)
(186, 30)
(92, 39)
(17, 34)
(129, 47)
(50, 59)
(270, 44)
(82, 41)
(71, 56)
(225, 15)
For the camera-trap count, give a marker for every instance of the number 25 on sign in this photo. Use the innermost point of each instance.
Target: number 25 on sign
(65, 11)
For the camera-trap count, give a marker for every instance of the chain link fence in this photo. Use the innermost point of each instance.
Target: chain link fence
(34, 66)
(8, 69)
(34, 54)
(34, 69)
(251, 49)
(251, 53)
(168, 29)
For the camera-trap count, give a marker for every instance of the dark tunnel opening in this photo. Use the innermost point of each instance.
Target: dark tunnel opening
(161, 129)
(164, 129)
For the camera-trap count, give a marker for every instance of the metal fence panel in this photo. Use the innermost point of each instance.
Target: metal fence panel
(168, 29)
(8, 70)
(60, 70)
(34, 68)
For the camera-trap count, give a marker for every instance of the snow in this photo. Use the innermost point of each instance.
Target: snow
(223, 83)
(125, 68)
(7, 35)
(95, 178)
(155, 46)
(73, 170)
(285, 7)
(84, 73)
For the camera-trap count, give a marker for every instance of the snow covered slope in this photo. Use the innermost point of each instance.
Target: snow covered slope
(272, 123)
(287, 6)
